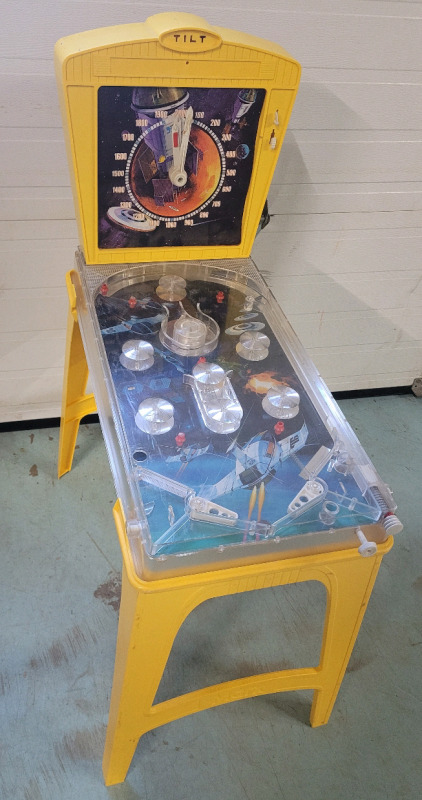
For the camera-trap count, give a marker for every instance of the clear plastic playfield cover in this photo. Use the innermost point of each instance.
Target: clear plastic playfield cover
(220, 432)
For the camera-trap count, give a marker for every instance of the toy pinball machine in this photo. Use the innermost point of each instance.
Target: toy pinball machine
(225, 444)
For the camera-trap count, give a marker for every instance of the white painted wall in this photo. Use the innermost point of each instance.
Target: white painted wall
(343, 251)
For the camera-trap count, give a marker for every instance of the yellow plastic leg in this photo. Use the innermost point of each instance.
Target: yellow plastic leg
(75, 403)
(151, 613)
(349, 590)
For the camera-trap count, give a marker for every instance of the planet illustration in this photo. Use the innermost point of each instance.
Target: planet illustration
(241, 327)
(151, 187)
(242, 151)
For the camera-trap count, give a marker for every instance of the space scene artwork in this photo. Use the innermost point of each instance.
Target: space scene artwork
(221, 436)
(174, 164)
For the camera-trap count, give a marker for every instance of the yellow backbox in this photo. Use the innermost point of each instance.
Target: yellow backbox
(122, 86)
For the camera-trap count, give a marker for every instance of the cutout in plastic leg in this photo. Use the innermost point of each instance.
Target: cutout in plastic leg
(349, 588)
(162, 606)
(75, 403)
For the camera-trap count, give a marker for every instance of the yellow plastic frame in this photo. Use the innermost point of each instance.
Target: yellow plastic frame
(169, 49)
(182, 49)
(148, 607)
(151, 612)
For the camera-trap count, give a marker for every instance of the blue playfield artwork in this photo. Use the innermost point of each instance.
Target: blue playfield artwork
(226, 445)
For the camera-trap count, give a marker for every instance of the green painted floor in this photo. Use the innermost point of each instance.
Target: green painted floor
(59, 586)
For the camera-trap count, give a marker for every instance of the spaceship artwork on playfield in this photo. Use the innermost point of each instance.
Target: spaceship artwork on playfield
(226, 444)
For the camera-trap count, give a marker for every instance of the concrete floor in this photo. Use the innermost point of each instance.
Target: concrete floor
(59, 586)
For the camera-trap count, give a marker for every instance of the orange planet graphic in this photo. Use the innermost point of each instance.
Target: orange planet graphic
(154, 191)
(263, 381)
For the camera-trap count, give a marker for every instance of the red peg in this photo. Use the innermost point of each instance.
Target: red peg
(219, 297)
(180, 439)
(279, 427)
(132, 302)
(201, 360)
(104, 289)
